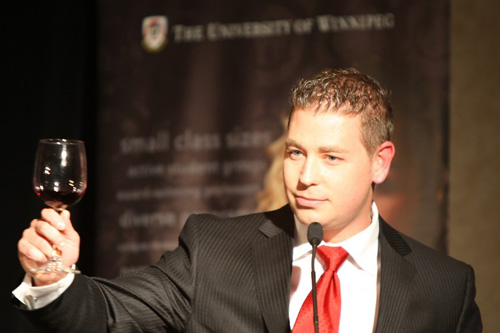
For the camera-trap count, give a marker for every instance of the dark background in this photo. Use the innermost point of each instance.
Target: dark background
(50, 76)
(54, 93)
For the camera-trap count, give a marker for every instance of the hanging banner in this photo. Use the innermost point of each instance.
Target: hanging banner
(193, 95)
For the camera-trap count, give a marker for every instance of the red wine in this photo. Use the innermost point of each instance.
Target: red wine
(59, 200)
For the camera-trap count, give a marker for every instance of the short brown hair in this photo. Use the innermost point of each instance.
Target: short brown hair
(358, 93)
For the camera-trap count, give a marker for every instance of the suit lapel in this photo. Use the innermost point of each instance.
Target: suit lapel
(396, 277)
(272, 262)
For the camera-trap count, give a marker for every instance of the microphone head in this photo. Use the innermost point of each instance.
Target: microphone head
(315, 233)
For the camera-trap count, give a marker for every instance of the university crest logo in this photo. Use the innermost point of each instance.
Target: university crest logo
(154, 33)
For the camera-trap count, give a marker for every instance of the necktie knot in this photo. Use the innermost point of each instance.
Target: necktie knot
(332, 257)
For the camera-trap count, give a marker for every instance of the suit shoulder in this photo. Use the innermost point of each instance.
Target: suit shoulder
(421, 249)
(243, 226)
(421, 254)
(207, 220)
(437, 265)
(249, 220)
(210, 226)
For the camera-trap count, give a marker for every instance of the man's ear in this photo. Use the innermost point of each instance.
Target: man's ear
(382, 161)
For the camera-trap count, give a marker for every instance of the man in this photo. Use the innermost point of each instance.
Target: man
(251, 273)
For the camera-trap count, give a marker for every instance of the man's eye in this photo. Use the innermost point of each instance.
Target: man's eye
(293, 153)
(331, 158)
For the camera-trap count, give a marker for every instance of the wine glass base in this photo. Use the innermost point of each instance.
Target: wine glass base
(54, 270)
(54, 266)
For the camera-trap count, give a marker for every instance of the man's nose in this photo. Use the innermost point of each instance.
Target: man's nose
(309, 174)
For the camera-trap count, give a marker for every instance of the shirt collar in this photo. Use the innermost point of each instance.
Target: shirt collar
(362, 247)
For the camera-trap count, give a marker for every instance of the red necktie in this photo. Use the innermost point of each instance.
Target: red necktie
(328, 295)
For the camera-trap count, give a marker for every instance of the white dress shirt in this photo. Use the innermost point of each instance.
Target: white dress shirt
(38, 297)
(358, 276)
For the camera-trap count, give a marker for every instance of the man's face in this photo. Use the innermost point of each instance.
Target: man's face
(328, 174)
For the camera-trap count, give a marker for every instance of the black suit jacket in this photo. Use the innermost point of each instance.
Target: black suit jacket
(233, 275)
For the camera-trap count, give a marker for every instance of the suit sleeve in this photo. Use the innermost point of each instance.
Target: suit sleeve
(157, 298)
(470, 317)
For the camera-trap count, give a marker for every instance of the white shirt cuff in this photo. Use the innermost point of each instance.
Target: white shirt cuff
(37, 297)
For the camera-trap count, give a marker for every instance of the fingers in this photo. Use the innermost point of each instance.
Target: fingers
(33, 252)
(59, 220)
(54, 218)
(39, 241)
(66, 217)
(43, 236)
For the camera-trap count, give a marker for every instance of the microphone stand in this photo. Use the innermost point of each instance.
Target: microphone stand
(314, 296)
(314, 236)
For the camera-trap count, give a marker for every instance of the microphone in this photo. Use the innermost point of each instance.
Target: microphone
(314, 236)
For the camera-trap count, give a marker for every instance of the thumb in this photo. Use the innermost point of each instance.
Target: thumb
(66, 215)
(69, 230)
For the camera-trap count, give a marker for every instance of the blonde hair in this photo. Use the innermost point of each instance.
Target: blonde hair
(273, 196)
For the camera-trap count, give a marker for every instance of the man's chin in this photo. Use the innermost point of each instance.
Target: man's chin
(307, 216)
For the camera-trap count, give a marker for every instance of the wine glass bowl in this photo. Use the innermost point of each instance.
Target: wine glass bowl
(59, 180)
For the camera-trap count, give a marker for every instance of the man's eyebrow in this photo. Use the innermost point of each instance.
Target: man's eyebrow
(291, 142)
(324, 149)
(332, 149)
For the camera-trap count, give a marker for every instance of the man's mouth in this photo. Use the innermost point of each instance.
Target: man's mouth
(308, 202)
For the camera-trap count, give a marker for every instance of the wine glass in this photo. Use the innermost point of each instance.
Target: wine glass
(59, 180)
